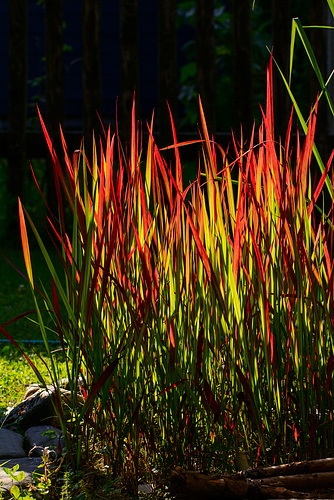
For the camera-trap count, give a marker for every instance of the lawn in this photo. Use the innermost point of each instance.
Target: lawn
(15, 293)
(16, 374)
(16, 299)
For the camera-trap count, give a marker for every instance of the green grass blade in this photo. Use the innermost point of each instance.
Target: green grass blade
(305, 128)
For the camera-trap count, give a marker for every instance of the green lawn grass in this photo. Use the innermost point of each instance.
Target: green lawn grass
(16, 373)
(15, 293)
(16, 299)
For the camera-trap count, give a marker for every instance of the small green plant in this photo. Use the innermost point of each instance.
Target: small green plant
(43, 479)
(66, 486)
(16, 491)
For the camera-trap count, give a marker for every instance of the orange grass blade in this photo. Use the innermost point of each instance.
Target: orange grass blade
(178, 168)
(180, 144)
(25, 244)
(133, 137)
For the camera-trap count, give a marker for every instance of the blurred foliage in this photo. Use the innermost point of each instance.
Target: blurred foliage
(261, 45)
(261, 23)
(32, 199)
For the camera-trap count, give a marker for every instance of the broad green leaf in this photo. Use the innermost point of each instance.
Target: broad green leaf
(9, 472)
(20, 476)
(15, 492)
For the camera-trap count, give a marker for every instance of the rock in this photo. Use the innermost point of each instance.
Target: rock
(37, 409)
(32, 411)
(44, 436)
(11, 444)
(32, 416)
(64, 382)
(32, 390)
(146, 489)
(28, 465)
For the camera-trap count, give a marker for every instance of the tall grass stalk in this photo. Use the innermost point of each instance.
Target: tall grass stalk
(200, 317)
(298, 30)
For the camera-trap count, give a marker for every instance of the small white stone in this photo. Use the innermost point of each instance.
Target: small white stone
(146, 489)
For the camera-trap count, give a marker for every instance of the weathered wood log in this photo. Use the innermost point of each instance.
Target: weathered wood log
(193, 485)
(306, 467)
(299, 482)
(287, 481)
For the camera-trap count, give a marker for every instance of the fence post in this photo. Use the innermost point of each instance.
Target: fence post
(206, 60)
(242, 66)
(17, 108)
(318, 39)
(54, 85)
(129, 55)
(167, 68)
(281, 31)
(92, 79)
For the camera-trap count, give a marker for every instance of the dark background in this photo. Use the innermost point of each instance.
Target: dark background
(228, 55)
(80, 60)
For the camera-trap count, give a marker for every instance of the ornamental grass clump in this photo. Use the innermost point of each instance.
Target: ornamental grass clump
(199, 317)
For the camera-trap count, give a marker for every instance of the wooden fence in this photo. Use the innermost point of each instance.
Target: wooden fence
(16, 143)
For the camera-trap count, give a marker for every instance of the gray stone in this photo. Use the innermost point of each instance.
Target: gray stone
(28, 465)
(37, 440)
(11, 444)
(33, 411)
(37, 409)
(146, 489)
(32, 416)
(65, 383)
(31, 391)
